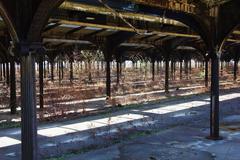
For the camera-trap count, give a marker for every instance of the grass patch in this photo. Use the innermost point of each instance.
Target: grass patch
(5, 125)
(77, 152)
(62, 157)
(139, 134)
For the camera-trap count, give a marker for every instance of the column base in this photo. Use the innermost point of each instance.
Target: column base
(214, 138)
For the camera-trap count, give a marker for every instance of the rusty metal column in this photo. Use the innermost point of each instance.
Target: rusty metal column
(181, 68)
(108, 58)
(71, 69)
(52, 70)
(48, 68)
(206, 73)
(235, 70)
(186, 69)
(214, 110)
(167, 75)
(7, 73)
(28, 104)
(172, 70)
(41, 83)
(44, 68)
(108, 78)
(153, 69)
(190, 68)
(120, 65)
(4, 72)
(118, 72)
(13, 97)
(221, 68)
(62, 69)
(59, 71)
(1, 72)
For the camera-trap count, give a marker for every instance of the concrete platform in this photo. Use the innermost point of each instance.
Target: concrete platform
(144, 151)
(181, 142)
(177, 130)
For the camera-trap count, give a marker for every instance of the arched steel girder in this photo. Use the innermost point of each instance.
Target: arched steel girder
(180, 54)
(41, 18)
(111, 42)
(4, 53)
(7, 18)
(170, 45)
(213, 33)
(200, 47)
(198, 24)
(27, 18)
(197, 44)
(233, 53)
(3, 57)
(229, 19)
(120, 53)
(52, 55)
(226, 56)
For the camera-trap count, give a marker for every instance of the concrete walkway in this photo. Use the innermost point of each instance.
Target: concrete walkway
(186, 140)
(181, 125)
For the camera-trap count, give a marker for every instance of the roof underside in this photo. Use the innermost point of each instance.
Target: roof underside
(76, 22)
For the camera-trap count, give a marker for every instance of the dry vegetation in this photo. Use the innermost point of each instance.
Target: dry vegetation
(84, 96)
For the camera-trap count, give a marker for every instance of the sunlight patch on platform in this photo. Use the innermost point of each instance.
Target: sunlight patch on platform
(84, 126)
(176, 107)
(7, 141)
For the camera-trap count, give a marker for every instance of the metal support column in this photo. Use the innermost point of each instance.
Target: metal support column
(186, 69)
(1, 72)
(153, 69)
(52, 71)
(118, 73)
(221, 68)
(59, 71)
(41, 102)
(71, 71)
(7, 73)
(167, 75)
(89, 63)
(13, 97)
(172, 69)
(235, 70)
(190, 68)
(108, 78)
(181, 69)
(214, 110)
(4, 72)
(206, 73)
(48, 68)
(62, 70)
(44, 68)
(28, 102)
